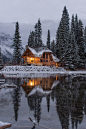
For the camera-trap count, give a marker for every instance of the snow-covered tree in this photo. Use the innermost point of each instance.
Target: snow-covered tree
(63, 35)
(17, 44)
(52, 47)
(72, 53)
(48, 39)
(81, 45)
(38, 34)
(31, 39)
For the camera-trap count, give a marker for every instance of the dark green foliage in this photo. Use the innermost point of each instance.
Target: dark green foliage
(48, 39)
(81, 45)
(17, 45)
(70, 43)
(38, 34)
(16, 99)
(31, 39)
(62, 36)
(76, 29)
(35, 37)
(52, 47)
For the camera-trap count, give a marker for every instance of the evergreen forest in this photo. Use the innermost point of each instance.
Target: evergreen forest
(69, 44)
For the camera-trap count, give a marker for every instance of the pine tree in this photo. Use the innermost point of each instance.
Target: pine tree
(52, 47)
(85, 35)
(76, 24)
(85, 45)
(17, 45)
(31, 39)
(63, 35)
(39, 33)
(48, 39)
(36, 35)
(81, 45)
(72, 54)
(57, 52)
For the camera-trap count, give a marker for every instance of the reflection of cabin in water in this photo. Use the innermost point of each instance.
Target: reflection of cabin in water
(39, 56)
(45, 83)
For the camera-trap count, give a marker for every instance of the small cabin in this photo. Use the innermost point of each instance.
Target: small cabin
(39, 56)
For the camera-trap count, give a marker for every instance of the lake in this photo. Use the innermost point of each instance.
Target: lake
(60, 105)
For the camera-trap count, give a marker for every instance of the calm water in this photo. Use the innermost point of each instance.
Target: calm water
(63, 108)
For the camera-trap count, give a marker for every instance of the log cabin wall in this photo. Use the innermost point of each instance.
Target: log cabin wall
(45, 59)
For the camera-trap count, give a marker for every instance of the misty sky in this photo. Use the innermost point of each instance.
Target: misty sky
(28, 11)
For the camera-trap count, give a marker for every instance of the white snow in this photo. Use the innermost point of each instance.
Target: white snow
(55, 58)
(32, 69)
(4, 124)
(36, 71)
(39, 90)
(39, 54)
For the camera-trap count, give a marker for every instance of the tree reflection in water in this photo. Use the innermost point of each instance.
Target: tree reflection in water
(35, 105)
(16, 98)
(70, 97)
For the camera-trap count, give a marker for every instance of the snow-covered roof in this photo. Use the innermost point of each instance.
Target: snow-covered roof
(39, 51)
(55, 58)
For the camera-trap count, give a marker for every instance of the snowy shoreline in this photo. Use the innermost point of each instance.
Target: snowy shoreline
(36, 71)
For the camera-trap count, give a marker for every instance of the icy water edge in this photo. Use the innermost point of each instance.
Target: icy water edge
(64, 107)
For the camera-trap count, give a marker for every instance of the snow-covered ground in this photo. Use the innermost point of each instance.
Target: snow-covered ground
(32, 69)
(36, 71)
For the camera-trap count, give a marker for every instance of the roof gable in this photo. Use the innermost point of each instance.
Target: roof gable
(39, 52)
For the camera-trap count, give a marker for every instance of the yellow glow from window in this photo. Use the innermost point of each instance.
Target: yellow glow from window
(31, 83)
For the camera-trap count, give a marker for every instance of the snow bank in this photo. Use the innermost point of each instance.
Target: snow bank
(30, 75)
(32, 69)
(36, 71)
(4, 125)
(38, 91)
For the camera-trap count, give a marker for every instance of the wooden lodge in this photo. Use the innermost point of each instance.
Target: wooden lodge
(39, 56)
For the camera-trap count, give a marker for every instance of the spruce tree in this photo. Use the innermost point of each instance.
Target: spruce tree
(76, 24)
(39, 33)
(72, 54)
(85, 44)
(63, 35)
(48, 39)
(52, 47)
(57, 52)
(36, 34)
(17, 45)
(81, 45)
(31, 39)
